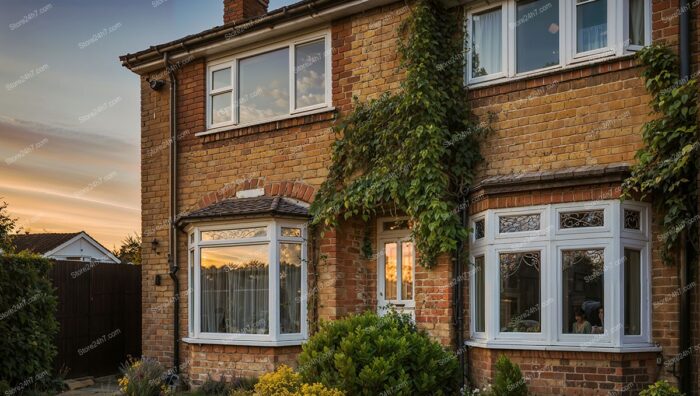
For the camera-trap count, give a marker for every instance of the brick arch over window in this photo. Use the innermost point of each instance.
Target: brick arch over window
(292, 189)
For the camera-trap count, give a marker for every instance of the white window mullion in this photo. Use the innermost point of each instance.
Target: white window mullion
(274, 284)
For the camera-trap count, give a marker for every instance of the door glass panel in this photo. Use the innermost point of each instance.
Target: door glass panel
(390, 275)
(407, 270)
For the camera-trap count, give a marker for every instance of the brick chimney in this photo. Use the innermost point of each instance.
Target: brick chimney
(236, 10)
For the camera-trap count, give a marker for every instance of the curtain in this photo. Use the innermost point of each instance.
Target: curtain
(235, 299)
(592, 25)
(636, 22)
(486, 43)
(290, 288)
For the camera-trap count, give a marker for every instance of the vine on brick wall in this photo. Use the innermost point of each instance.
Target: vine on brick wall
(416, 149)
(667, 166)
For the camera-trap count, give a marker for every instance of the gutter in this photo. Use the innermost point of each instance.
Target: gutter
(684, 268)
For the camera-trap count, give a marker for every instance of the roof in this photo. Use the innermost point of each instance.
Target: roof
(41, 243)
(241, 207)
(278, 21)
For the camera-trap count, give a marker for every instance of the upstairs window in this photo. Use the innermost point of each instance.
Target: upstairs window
(274, 82)
(514, 38)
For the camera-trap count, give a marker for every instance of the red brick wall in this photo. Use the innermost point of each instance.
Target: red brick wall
(236, 10)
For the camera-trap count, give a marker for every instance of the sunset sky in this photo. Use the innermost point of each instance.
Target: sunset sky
(69, 113)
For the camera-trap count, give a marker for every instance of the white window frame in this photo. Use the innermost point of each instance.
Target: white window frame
(232, 61)
(273, 239)
(618, 38)
(397, 236)
(551, 241)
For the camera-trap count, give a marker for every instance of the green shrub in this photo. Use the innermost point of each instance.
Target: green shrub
(27, 322)
(142, 378)
(508, 380)
(661, 388)
(372, 355)
(285, 382)
(223, 387)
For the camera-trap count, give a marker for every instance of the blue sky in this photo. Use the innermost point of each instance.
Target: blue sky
(69, 112)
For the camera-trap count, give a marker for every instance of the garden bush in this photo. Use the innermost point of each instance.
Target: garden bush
(371, 355)
(238, 386)
(285, 382)
(27, 322)
(508, 380)
(143, 378)
(661, 388)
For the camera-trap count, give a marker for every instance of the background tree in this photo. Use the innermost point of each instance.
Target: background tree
(130, 250)
(8, 227)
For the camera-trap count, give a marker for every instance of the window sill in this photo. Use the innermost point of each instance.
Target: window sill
(205, 341)
(228, 128)
(630, 348)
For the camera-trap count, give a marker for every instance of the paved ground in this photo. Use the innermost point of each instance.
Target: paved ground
(103, 386)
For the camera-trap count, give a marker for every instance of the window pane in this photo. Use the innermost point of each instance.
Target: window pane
(636, 22)
(221, 108)
(486, 43)
(190, 299)
(537, 22)
(395, 225)
(632, 219)
(407, 270)
(520, 292)
(479, 295)
(591, 25)
(479, 229)
(519, 223)
(583, 275)
(290, 288)
(390, 271)
(633, 293)
(221, 78)
(310, 66)
(291, 232)
(239, 233)
(264, 86)
(582, 219)
(234, 282)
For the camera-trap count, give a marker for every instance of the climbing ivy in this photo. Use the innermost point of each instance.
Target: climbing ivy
(667, 165)
(415, 150)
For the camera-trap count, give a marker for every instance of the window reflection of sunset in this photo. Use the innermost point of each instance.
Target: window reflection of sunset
(407, 270)
(390, 271)
(234, 256)
(290, 254)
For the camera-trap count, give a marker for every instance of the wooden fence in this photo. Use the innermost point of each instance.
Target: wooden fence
(99, 313)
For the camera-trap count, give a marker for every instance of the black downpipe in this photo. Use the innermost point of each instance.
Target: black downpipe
(684, 269)
(458, 295)
(172, 244)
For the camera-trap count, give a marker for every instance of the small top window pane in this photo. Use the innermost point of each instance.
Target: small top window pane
(291, 232)
(537, 22)
(264, 86)
(479, 229)
(520, 223)
(486, 43)
(632, 219)
(395, 225)
(221, 78)
(240, 233)
(582, 219)
(309, 68)
(591, 25)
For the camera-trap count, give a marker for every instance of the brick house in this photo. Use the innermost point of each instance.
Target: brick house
(580, 299)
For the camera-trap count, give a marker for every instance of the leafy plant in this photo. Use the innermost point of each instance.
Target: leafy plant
(285, 382)
(27, 321)
(371, 355)
(143, 377)
(508, 380)
(661, 388)
(415, 149)
(8, 226)
(667, 164)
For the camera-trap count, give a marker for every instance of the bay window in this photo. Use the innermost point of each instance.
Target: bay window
(513, 38)
(570, 276)
(269, 83)
(248, 283)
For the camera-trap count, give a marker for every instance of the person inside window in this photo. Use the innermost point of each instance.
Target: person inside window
(599, 329)
(581, 325)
